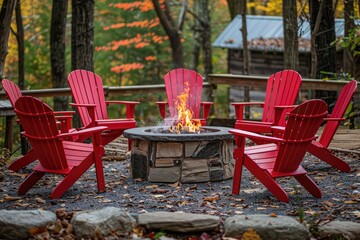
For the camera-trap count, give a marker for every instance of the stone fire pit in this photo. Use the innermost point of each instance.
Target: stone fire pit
(160, 156)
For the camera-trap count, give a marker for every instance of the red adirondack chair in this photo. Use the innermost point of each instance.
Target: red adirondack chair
(281, 90)
(320, 148)
(281, 157)
(88, 93)
(13, 93)
(57, 156)
(176, 82)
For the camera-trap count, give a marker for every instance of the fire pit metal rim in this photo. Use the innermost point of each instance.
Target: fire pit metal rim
(144, 133)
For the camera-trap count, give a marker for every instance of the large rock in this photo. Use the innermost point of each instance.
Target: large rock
(340, 230)
(15, 224)
(92, 223)
(178, 221)
(267, 227)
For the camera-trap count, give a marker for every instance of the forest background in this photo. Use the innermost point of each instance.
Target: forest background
(131, 46)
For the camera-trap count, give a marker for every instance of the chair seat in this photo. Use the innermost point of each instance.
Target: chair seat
(75, 152)
(265, 157)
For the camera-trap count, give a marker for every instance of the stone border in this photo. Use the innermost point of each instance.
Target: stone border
(147, 134)
(90, 224)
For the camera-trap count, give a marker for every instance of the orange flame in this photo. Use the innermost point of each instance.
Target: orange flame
(184, 122)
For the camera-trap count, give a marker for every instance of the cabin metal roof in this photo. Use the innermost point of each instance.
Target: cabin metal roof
(263, 27)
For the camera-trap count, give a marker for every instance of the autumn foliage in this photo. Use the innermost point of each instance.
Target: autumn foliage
(141, 34)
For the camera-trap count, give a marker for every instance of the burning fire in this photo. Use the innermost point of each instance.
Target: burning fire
(184, 122)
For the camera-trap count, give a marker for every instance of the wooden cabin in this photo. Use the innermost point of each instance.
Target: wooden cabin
(265, 39)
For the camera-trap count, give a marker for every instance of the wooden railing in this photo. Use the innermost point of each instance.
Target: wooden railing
(260, 82)
(214, 80)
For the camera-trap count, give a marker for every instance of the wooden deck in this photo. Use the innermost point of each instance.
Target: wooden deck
(345, 139)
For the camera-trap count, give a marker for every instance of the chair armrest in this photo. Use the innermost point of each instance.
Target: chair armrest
(91, 111)
(162, 108)
(65, 122)
(239, 108)
(130, 107)
(85, 131)
(82, 105)
(94, 131)
(206, 108)
(278, 131)
(280, 114)
(66, 113)
(241, 133)
(334, 119)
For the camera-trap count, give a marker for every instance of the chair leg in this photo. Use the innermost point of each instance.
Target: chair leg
(23, 161)
(237, 176)
(71, 178)
(267, 180)
(29, 182)
(309, 185)
(325, 155)
(239, 161)
(99, 169)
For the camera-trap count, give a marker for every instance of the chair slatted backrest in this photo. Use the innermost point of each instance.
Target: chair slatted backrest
(282, 89)
(41, 129)
(12, 91)
(301, 127)
(176, 83)
(87, 88)
(343, 101)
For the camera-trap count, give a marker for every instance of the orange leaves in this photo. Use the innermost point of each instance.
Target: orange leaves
(127, 67)
(150, 58)
(115, 26)
(141, 24)
(145, 24)
(128, 6)
(143, 6)
(140, 41)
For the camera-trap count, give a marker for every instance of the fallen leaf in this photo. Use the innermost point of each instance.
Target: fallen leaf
(159, 190)
(328, 203)
(39, 200)
(250, 234)
(175, 184)
(350, 202)
(356, 213)
(10, 198)
(273, 215)
(212, 198)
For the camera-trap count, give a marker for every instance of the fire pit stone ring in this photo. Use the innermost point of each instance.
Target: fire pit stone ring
(156, 134)
(161, 156)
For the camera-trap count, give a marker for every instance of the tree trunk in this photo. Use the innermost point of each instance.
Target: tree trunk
(172, 32)
(323, 34)
(291, 50)
(57, 48)
(25, 145)
(21, 46)
(82, 39)
(206, 35)
(325, 51)
(234, 7)
(82, 35)
(197, 37)
(6, 12)
(246, 69)
(348, 64)
(243, 12)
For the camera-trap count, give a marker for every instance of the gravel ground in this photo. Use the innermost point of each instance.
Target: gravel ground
(341, 193)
